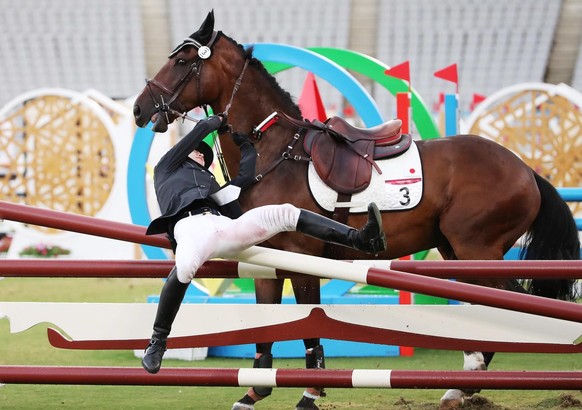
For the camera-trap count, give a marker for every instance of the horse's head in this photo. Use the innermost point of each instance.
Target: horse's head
(194, 75)
(210, 68)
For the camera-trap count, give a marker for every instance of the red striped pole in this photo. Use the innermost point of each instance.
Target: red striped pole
(135, 233)
(376, 378)
(546, 269)
(475, 294)
(80, 223)
(492, 269)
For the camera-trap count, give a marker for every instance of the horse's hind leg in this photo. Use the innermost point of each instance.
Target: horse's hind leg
(454, 398)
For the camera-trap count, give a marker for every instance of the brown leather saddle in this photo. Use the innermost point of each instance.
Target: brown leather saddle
(343, 155)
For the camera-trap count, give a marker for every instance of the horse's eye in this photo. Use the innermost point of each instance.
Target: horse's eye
(180, 61)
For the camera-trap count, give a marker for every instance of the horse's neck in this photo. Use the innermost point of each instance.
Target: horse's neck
(253, 106)
(271, 143)
(255, 101)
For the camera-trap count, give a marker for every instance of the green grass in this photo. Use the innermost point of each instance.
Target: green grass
(32, 347)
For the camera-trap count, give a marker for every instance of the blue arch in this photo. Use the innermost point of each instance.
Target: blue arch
(136, 188)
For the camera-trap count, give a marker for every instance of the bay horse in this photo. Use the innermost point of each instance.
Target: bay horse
(478, 200)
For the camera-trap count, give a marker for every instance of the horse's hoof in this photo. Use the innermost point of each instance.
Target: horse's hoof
(453, 399)
(309, 407)
(450, 405)
(242, 406)
(306, 403)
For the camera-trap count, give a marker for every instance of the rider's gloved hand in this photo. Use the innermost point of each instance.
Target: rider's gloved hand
(240, 138)
(223, 124)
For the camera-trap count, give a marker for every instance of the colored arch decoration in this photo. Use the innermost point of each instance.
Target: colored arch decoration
(328, 63)
(374, 70)
(325, 68)
(539, 122)
(136, 188)
(56, 151)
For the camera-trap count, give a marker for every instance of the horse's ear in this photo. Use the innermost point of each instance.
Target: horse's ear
(204, 33)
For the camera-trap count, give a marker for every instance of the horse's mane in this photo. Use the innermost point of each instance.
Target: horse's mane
(292, 108)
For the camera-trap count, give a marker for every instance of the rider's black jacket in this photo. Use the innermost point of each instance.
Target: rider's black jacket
(183, 185)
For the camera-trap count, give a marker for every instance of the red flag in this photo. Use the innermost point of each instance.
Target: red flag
(401, 71)
(448, 73)
(477, 99)
(310, 100)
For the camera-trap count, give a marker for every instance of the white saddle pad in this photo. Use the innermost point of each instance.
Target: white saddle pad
(398, 188)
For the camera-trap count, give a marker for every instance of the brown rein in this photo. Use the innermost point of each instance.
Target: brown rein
(165, 107)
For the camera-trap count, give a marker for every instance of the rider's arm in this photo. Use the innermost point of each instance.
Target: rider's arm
(245, 177)
(248, 162)
(179, 152)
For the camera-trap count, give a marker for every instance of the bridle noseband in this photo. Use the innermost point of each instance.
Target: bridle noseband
(165, 107)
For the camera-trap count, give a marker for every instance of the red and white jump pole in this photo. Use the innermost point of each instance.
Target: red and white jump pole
(455, 269)
(397, 379)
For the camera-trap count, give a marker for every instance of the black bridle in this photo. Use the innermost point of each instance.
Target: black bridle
(195, 69)
(164, 107)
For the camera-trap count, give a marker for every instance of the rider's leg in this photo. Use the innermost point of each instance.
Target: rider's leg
(370, 238)
(170, 300)
(260, 224)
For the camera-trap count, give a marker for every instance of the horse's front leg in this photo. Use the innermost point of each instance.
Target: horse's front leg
(267, 291)
(308, 291)
(454, 398)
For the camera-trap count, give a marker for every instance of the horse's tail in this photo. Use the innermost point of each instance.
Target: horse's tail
(552, 236)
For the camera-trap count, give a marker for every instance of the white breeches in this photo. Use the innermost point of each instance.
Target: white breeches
(203, 237)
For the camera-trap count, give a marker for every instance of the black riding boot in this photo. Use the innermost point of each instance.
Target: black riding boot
(170, 300)
(370, 238)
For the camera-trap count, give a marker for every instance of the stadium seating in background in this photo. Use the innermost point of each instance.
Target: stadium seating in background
(80, 44)
(495, 44)
(577, 77)
(301, 23)
(72, 44)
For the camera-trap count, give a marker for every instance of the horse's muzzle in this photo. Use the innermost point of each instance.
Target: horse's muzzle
(137, 114)
(160, 122)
